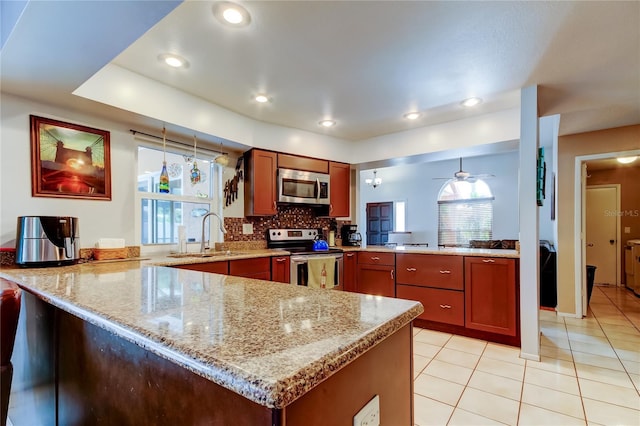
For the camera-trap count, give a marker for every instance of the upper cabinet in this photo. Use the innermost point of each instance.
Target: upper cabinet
(260, 183)
(288, 161)
(339, 186)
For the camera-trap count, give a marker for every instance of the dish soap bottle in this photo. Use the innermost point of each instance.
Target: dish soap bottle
(164, 179)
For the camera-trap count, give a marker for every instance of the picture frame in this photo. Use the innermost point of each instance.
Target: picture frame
(69, 160)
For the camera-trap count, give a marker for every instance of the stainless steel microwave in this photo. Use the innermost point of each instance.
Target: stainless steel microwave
(300, 187)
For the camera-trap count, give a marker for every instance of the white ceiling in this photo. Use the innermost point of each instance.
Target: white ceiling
(362, 63)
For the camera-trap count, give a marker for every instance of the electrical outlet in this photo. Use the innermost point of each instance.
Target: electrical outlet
(247, 228)
(369, 415)
(627, 229)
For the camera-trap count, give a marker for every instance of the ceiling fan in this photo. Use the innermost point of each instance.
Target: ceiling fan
(462, 175)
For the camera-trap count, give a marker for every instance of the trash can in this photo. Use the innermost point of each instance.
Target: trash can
(591, 274)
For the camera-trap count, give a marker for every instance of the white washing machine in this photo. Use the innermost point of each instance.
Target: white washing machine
(633, 282)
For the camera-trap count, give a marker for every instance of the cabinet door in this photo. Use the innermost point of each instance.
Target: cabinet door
(280, 270)
(446, 306)
(221, 267)
(340, 186)
(378, 280)
(431, 270)
(350, 264)
(260, 183)
(259, 268)
(491, 295)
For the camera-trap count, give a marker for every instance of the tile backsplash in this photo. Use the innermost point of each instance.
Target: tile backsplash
(287, 217)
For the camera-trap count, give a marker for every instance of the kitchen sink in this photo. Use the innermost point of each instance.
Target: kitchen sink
(207, 254)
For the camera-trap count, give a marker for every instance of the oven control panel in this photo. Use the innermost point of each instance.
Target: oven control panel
(292, 234)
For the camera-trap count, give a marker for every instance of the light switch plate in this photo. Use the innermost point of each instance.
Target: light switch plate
(247, 228)
(369, 415)
(627, 229)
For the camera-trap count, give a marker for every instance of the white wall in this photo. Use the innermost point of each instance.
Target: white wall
(96, 218)
(415, 185)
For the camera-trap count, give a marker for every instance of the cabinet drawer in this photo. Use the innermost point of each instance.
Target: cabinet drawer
(431, 270)
(446, 306)
(376, 258)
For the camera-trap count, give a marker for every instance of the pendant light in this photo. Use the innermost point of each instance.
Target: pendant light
(163, 186)
(223, 158)
(195, 172)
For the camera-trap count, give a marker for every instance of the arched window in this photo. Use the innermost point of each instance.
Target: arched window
(465, 212)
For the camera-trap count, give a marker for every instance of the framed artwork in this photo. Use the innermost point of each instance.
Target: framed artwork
(69, 160)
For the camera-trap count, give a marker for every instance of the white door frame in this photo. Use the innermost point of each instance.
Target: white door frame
(580, 283)
(618, 224)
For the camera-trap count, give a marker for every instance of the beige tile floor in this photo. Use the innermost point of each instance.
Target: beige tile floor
(589, 372)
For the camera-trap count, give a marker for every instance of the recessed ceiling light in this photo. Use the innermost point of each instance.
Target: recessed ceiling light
(231, 14)
(173, 60)
(627, 160)
(412, 115)
(471, 102)
(261, 98)
(327, 123)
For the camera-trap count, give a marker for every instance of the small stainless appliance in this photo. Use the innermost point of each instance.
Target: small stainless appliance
(300, 187)
(350, 235)
(47, 241)
(300, 242)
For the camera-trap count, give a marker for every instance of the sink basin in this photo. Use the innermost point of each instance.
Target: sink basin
(206, 254)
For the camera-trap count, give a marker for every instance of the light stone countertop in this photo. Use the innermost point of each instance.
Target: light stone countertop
(269, 342)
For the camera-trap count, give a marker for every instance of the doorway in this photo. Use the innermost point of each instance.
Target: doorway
(602, 232)
(379, 223)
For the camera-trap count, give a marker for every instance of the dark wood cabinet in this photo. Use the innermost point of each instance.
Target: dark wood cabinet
(491, 295)
(350, 266)
(297, 162)
(376, 274)
(260, 183)
(221, 267)
(340, 187)
(258, 268)
(436, 281)
(280, 269)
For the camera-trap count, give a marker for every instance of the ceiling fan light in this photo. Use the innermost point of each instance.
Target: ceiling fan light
(627, 160)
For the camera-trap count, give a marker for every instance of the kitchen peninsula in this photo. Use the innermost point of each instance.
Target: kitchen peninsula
(133, 342)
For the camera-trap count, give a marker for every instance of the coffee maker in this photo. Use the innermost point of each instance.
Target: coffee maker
(47, 241)
(350, 235)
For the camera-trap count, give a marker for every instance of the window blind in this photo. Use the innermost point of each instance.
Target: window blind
(462, 220)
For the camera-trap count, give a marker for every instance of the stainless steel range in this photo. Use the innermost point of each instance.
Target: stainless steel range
(300, 243)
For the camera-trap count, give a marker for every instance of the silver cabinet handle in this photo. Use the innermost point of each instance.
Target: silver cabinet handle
(445, 306)
(488, 260)
(350, 254)
(445, 271)
(411, 269)
(392, 274)
(281, 259)
(375, 258)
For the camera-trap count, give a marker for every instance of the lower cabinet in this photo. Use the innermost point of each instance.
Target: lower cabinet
(376, 274)
(258, 268)
(280, 270)
(221, 267)
(445, 306)
(350, 273)
(491, 295)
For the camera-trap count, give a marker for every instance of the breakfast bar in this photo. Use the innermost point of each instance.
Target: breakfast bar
(131, 342)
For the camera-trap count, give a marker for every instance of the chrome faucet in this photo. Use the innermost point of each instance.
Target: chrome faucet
(204, 218)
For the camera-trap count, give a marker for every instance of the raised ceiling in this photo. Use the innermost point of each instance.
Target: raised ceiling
(361, 63)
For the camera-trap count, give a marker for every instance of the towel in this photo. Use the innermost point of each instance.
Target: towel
(315, 265)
